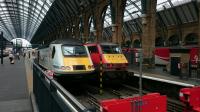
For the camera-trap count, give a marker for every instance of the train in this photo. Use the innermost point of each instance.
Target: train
(162, 55)
(65, 57)
(109, 55)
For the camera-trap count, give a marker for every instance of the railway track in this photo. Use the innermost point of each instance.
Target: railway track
(92, 96)
(174, 106)
(93, 101)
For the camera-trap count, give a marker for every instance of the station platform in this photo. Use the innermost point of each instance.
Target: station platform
(14, 95)
(158, 74)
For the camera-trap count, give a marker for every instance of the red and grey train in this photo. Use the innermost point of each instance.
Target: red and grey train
(109, 55)
(162, 55)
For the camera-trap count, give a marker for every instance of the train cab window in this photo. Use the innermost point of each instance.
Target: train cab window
(74, 50)
(53, 52)
(111, 49)
(93, 49)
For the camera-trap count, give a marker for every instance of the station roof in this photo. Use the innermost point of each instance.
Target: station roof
(31, 18)
(169, 13)
(21, 18)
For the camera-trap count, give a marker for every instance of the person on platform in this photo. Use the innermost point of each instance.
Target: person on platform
(11, 57)
(17, 55)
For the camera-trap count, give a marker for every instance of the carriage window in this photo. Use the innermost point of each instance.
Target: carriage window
(111, 49)
(74, 51)
(93, 49)
(53, 52)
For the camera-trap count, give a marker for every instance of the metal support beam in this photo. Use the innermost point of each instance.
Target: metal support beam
(144, 5)
(113, 11)
(198, 5)
(178, 20)
(1, 36)
(149, 31)
(190, 11)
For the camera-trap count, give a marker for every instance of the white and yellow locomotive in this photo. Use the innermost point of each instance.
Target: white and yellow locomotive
(66, 57)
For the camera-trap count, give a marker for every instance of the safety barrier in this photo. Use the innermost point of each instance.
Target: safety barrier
(51, 96)
(153, 102)
(191, 98)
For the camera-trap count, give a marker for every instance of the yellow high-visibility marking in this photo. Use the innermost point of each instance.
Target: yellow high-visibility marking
(101, 79)
(70, 61)
(115, 58)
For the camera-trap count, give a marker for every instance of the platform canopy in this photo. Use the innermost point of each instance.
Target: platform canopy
(35, 18)
(169, 12)
(21, 18)
(62, 14)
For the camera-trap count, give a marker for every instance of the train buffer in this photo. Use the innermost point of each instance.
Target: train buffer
(191, 98)
(153, 102)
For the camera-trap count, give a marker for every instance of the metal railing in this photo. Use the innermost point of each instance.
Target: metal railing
(51, 96)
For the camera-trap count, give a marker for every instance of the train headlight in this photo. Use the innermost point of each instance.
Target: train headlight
(90, 66)
(63, 68)
(68, 68)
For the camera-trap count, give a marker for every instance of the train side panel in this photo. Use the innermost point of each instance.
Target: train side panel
(44, 58)
(56, 58)
(94, 52)
(194, 56)
(162, 56)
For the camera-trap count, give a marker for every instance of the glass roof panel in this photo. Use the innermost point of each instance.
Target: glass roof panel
(179, 2)
(48, 2)
(132, 10)
(3, 4)
(166, 3)
(21, 20)
(107, 19)
(193, 12)
(91, 24)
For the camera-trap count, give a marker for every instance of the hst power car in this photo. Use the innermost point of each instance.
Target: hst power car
(66, 57)
(109, 54)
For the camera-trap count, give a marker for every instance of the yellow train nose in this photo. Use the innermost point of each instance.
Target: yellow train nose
(115, 58)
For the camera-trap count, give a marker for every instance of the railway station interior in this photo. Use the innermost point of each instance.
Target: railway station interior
(99, 56)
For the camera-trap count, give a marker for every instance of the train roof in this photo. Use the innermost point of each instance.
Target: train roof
(67, 41)
(108, 43)
(102, 43)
